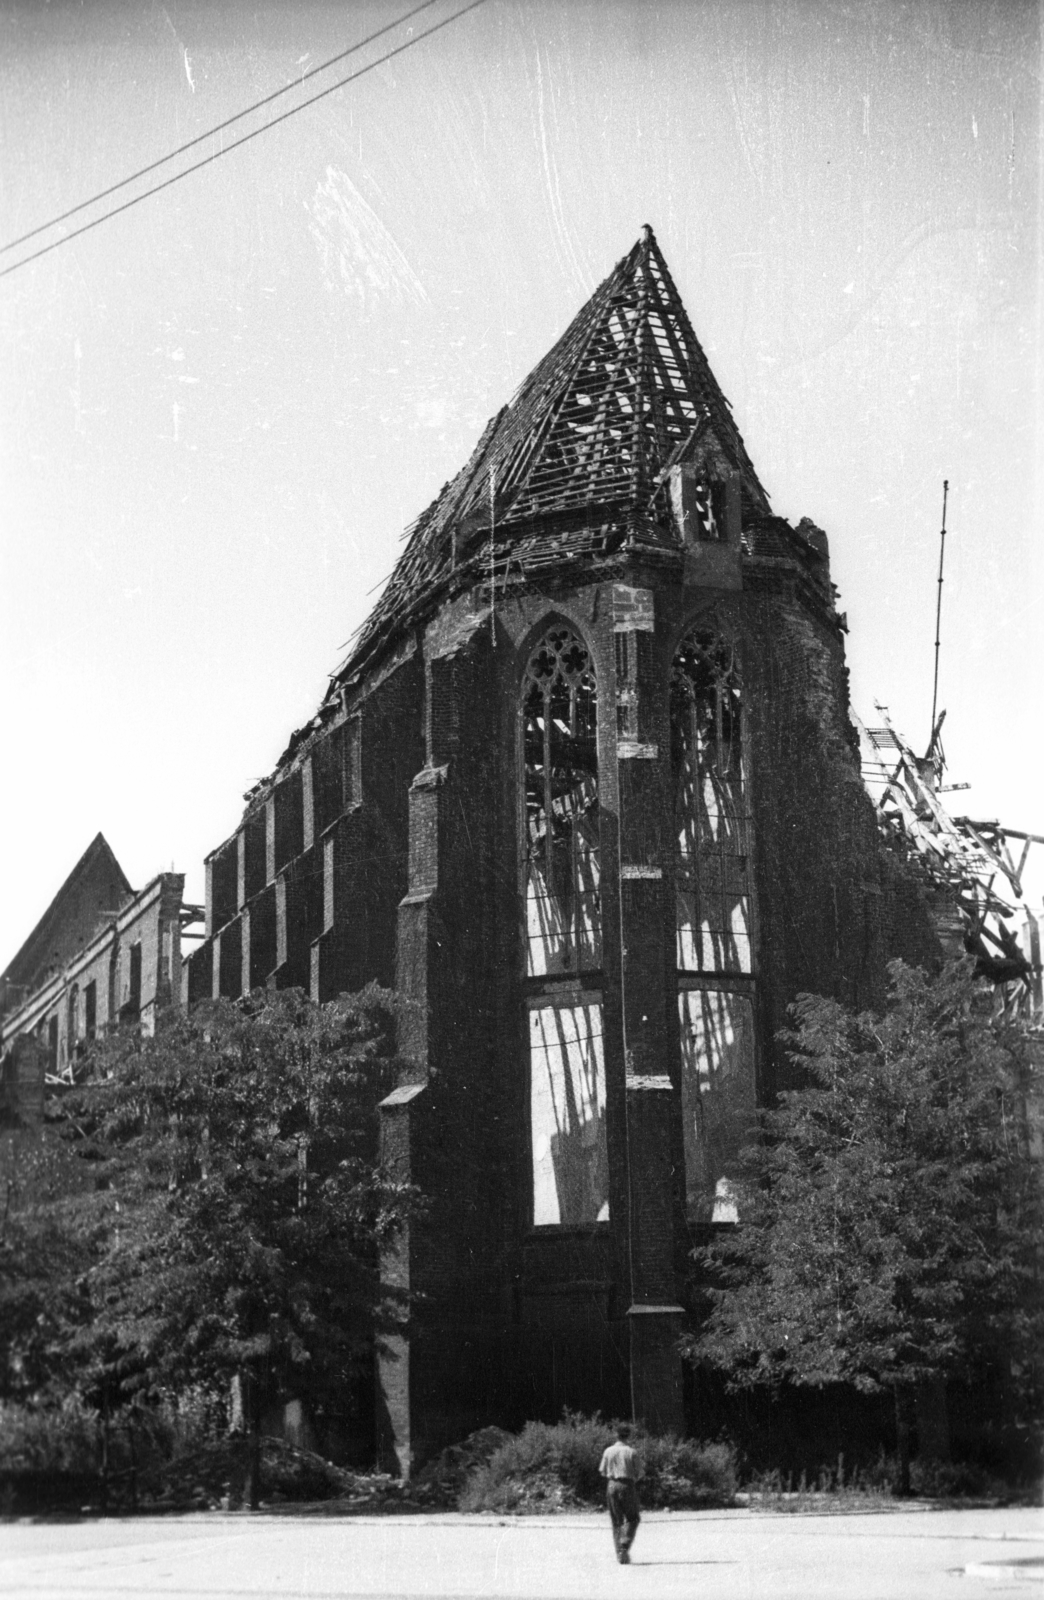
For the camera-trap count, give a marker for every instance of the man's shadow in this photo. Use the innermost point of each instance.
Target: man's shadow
(635, 1563)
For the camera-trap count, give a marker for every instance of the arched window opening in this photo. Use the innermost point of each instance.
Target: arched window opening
(710, 809)
(563, 904)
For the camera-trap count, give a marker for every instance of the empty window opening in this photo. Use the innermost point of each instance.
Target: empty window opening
(133, 1006)
(563, 907)
(223, 884)
(288, 820)
(352, 761)
(711, 821)
(72, 1029)
(626, 685)
(113, 996)
(337, 772)
(253, 865)
(710, 510)
(567, 1115)
(90, 1010)
(717, 1092)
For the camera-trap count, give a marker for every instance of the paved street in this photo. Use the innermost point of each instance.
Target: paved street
(894, 1555)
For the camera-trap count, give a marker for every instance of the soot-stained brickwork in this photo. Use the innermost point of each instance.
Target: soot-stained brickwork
(586, 793)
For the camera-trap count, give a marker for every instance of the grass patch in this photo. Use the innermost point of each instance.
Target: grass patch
(875, 1486)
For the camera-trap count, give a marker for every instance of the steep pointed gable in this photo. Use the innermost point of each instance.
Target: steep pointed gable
(95, 888)
(597, 420)
(586, 438)
(626, 385)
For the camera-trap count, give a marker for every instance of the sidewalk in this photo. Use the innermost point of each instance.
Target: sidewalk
(734, 1555)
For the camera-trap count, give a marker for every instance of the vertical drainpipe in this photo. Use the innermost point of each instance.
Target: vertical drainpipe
(636, 460)
(636, 469)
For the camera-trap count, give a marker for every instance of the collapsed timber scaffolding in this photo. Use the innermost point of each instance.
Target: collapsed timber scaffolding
(973, 870)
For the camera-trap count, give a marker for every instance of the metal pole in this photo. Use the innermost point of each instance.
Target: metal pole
(938, 613)
(492, 573)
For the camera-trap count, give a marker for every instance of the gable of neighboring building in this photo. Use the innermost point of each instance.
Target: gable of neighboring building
(95, 889)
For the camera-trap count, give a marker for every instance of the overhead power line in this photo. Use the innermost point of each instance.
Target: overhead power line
(219, 127)
(227, 149)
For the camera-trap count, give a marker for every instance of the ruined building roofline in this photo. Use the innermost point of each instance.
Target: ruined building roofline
(594, 425)
(579, 459)
(34, 952)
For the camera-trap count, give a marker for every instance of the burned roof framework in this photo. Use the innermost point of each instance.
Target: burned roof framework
(576, 460)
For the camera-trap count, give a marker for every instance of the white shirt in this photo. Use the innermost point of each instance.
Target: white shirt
(620, 1461)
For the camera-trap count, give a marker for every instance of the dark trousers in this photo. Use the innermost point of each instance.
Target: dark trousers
(622, 1497)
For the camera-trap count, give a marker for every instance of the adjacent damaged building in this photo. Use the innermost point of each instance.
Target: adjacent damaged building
(587, 794)
(102, 953)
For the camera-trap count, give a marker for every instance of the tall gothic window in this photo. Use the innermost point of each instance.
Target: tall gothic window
(563, 934)
(711, 822)
(712, 881)
(563, 906)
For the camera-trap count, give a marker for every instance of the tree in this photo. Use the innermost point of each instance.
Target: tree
(51, 1228)
(239, 1209)
(890, 1208)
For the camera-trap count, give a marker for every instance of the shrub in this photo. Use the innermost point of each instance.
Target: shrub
(67, 1438)
(955, 1480)
(54, 1439)
(555, 1466)
(683, 1472)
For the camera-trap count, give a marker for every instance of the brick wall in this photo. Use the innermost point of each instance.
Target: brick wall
(407, 870)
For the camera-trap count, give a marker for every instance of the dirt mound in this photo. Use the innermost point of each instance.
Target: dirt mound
(446, 1476)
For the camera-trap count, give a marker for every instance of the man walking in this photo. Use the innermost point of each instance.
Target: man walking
(621, 1469)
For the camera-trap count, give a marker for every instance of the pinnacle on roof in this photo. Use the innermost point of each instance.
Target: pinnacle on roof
(587, 437)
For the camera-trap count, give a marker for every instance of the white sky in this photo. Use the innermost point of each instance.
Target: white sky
(219, 410)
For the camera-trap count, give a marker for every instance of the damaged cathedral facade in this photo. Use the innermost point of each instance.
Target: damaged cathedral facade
(587, 795)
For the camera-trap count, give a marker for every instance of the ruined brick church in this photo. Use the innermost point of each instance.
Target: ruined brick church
(586, 793)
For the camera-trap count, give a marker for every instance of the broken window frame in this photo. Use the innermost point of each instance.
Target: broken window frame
(714, 923)
(573, 1090)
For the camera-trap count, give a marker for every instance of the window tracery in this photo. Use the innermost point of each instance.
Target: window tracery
(560, 734)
